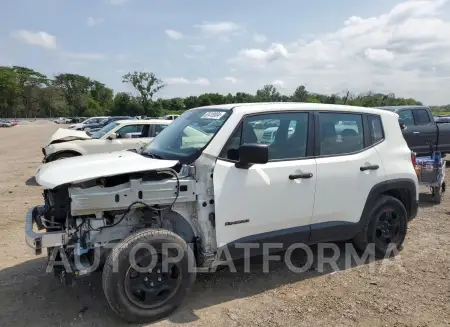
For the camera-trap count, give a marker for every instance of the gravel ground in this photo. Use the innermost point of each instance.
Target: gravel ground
(412, 290)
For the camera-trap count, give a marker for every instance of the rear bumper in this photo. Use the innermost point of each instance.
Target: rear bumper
(38, 241)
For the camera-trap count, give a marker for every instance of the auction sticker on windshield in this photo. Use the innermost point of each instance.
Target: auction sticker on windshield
(213, 115)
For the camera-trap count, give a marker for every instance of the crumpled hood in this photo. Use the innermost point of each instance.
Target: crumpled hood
(83, 168)
(64, 135)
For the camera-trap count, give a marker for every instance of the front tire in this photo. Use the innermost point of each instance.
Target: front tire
(141, 295)
(386, 226)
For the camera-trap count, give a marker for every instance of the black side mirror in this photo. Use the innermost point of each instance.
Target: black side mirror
(402, 124)
(253, 153)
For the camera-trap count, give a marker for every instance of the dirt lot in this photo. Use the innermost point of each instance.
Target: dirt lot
(413, 292)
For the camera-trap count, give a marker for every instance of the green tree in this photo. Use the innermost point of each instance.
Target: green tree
(268, 93)
(147, 84)
(102, 94)
(75, 89)
(9, 91)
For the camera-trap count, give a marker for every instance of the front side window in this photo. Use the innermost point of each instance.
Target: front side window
(104, 130)
(406, 116)
(284, 133)
(130, 129)
(159, 128)
(185, 137)
(340, 133)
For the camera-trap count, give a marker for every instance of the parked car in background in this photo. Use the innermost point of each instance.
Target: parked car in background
(170, 117)
(97, 126)
(92, 120)
(421, 129)
(65, 143)
(77, 120)
(63, 120)
(442, 119)
(5, 123)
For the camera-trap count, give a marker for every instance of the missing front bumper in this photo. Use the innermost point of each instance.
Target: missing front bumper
(38, 241)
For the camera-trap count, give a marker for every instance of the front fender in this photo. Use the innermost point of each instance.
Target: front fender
(57, 148)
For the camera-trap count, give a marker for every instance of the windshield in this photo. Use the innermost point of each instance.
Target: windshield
(184, 138)
(102, 131)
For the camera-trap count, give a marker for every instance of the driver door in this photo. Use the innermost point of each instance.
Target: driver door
(272, 202)
(139, 133)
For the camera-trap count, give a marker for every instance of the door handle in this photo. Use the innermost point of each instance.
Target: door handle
(416, 132)
(303, 176)
(370, 167)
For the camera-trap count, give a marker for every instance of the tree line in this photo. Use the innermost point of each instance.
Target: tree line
(25, 92)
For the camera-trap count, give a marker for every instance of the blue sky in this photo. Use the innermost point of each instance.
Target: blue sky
(228, 46)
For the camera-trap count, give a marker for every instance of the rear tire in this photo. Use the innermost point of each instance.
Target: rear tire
(386, 226)
(127, 295)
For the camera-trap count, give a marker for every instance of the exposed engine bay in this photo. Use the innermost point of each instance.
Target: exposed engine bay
(88, 218)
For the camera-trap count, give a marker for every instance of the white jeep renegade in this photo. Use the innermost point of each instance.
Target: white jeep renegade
(344, 173)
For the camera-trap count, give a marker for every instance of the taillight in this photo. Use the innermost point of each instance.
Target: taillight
(413, 158)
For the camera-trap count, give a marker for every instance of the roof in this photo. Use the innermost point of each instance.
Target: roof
(143, 121)
(271, 106)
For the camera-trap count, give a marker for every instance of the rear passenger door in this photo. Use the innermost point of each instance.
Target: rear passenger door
(420, 129)
(348, 166)
(424, 130)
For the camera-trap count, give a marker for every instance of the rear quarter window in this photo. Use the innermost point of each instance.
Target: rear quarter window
(375, 128)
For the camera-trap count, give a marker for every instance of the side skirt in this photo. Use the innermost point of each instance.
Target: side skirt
(275, 241)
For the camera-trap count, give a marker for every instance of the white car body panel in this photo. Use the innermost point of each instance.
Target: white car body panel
(64, 133)
(78, 169)
(395, 146)
(339, 176)
(269, 199)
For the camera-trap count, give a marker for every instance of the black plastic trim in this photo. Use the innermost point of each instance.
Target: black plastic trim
(51, 156)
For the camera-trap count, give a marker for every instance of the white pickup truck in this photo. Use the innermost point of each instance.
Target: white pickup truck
(190, 199)
(116, 136)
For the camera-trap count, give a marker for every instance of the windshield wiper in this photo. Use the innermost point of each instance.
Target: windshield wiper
(151, 155)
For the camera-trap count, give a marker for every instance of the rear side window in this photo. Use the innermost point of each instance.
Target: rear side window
(376, 128)
(421, 117)
(340, 133)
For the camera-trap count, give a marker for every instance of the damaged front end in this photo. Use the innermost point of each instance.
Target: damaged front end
(81, 220)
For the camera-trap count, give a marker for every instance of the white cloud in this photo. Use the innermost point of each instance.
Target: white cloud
(259, 57)
(231, 79)
(259, 38)
(175, 35)
(88, 56)
(218, 28)
(405, 50)
(184, 81)
(379, 55)
(91, 21)
(279, 83)
(198, 47)
(42, 39)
